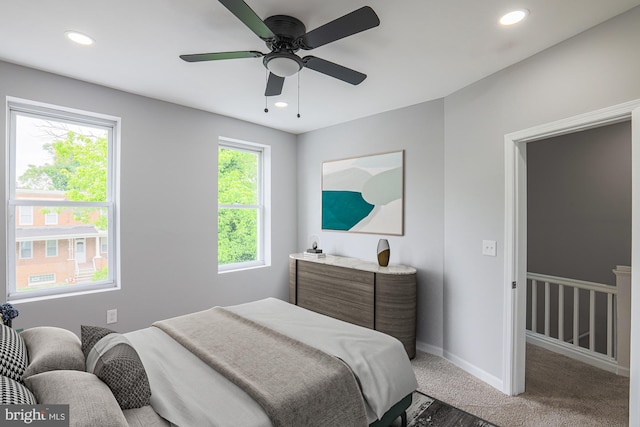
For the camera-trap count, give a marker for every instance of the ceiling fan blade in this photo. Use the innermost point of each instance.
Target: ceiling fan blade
(197, 57)
(274, 85)
(359, 20)
(334, 70)
(244, 13)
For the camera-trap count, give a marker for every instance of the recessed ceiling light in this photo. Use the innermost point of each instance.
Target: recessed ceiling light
(514, 17)
(281, 104)
(79, 38)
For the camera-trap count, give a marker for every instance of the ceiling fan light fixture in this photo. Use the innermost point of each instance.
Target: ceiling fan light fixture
(283, 64)
(281, 104)
(514, 17)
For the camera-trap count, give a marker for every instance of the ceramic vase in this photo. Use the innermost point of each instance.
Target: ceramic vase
(383, 252)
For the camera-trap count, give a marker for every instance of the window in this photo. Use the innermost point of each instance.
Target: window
(40, 279)
(25, 215)
(62, 190)
(243, 205)
(52, 248)
(51, 218)
(26, 250)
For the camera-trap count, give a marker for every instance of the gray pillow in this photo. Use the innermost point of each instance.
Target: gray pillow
(51, 349)
(113, 360)
(13, 354)
(14, 393)
(90, 400)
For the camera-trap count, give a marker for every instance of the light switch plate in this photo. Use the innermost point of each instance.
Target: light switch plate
(489, 247)
(112, 316)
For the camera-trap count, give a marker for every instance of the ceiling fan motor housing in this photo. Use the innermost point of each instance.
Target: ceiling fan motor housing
(288, 31)
(282, 60)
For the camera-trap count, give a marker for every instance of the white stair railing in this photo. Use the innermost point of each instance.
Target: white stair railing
(572, 348)
(623, 316)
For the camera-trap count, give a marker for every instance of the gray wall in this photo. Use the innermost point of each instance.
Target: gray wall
(461, 302)
(579, 204)
(593, 70)
(168, 207)
(579, 215)
(419, 131)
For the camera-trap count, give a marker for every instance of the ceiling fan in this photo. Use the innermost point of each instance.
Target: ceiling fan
(285, 35)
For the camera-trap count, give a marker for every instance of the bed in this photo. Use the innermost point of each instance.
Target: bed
(259, 364)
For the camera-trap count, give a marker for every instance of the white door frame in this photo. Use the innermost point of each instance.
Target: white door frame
(515, 252)
(83, 243)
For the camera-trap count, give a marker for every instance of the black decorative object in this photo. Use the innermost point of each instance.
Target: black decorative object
(9, 312)
(314, 252)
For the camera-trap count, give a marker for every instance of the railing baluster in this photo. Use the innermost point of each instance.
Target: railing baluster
(592, 320)
(609, 325)
(547, 308)
(561, 312)
(534, 305)
(579, 287)
(576, 312)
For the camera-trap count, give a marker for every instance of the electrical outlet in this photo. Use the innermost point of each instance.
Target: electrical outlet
(112, 316)
(489, 247)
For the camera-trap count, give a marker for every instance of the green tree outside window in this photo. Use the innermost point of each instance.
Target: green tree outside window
(238, 205)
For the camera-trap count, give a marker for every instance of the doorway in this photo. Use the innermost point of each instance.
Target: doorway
(516, 239)
(81, 255)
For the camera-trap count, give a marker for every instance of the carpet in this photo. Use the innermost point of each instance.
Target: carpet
(426, 411)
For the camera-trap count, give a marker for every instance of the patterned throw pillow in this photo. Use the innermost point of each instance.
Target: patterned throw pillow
(14, 393)
(111, 358)
(90, 335)
(13, 354)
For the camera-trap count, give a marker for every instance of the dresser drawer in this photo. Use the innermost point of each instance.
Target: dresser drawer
(342, 293)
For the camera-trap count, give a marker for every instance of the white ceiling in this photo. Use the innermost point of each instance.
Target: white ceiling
(422, 50)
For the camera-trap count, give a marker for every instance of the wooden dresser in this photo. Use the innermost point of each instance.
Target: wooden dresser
(359, 292)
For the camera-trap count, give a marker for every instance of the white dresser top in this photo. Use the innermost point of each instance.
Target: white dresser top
(357, 264)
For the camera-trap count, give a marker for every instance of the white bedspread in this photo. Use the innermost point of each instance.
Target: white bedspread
(187, 392)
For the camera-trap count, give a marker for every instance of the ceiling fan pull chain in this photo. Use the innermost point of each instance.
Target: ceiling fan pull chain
(266, 110)
(298, 95)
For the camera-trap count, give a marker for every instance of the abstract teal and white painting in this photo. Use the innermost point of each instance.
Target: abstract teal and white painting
(364, 194)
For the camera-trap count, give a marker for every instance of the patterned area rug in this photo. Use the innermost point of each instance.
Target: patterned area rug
(426, 411)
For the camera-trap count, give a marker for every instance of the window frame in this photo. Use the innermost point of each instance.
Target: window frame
(46, 248)
(21, 250)
(263, 207)
(48, 218)
(22, 213)
(22, 107)
(36, 283)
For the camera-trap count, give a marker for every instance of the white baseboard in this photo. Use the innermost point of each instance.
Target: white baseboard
(583, 355)
(481, 374)
(461, 363)
(428, 348)
(625, 372)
